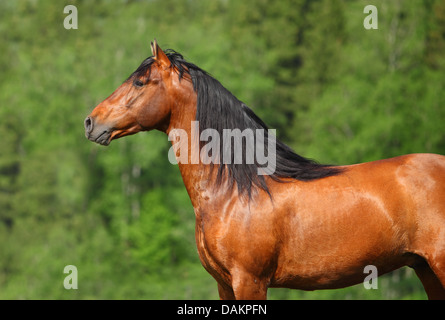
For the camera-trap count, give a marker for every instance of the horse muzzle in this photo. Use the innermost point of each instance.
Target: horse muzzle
(98, 133)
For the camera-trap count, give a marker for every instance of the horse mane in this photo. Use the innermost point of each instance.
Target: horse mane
(219, 109)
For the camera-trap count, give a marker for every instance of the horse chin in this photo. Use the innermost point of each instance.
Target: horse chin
(106, 137)
(122, 133)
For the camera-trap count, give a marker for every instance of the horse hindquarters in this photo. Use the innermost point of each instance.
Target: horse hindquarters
(426, 180)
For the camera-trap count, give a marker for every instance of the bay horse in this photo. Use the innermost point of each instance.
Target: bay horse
(304, 226)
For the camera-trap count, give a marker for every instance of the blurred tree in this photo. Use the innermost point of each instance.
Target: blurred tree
(435, 38)
(11, 134)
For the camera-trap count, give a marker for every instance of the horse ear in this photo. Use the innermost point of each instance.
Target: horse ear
(159, 55)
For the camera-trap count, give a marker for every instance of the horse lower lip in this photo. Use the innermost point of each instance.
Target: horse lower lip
(103, 138)
(104, 142)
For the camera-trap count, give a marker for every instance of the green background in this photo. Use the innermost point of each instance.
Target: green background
(334, 91)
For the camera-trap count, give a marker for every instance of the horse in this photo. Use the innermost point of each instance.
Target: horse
(302, 225)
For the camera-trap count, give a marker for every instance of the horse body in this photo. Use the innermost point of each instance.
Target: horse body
(321, 234)
(307, 227)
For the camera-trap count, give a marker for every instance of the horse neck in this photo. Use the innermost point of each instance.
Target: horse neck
(194, 173)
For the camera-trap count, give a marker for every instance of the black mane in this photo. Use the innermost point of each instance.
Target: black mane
(219, 109)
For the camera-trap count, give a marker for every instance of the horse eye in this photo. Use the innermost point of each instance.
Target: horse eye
(138, 83)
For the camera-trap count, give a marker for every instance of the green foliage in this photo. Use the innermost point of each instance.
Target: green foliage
(151, 241)
(333, 90)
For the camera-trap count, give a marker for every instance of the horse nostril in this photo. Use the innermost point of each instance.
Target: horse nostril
(88, 125)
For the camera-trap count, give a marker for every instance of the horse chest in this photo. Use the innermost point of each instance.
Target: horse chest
(208, 257)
